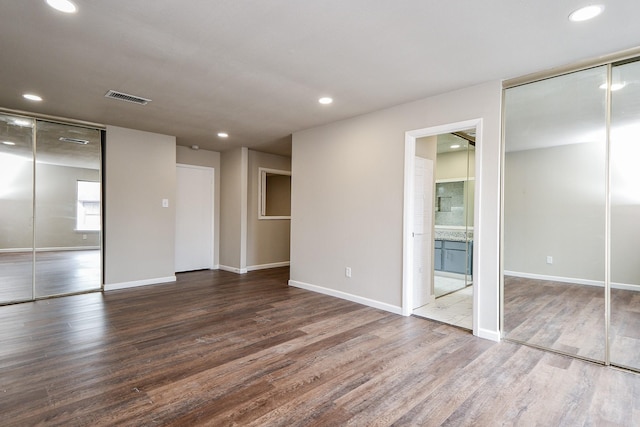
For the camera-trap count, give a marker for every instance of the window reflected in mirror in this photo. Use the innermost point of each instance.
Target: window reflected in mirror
(50, 209)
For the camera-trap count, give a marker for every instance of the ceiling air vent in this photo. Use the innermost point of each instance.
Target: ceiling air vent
(126, 97)
(73, 140)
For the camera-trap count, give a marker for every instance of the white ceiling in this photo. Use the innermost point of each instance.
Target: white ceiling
(255, 69)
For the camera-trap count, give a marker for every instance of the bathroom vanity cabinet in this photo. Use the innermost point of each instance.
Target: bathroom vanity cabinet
(453, 256)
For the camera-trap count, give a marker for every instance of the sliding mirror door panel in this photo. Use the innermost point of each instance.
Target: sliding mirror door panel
(67, 207)
(624, 335)
(555, 214)
(16, 208)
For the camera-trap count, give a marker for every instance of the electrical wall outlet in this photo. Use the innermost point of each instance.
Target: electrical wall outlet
(347, 271)
(549, 259)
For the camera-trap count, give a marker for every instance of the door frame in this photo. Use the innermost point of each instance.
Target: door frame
(407, 227)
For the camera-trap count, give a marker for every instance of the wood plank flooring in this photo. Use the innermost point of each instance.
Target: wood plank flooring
(57, 272)
(570, 318)
(220, 349)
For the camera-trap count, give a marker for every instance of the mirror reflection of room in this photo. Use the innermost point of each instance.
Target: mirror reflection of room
(571, 278)
(453, 155)
(555, 213)
(50, 205)
(453, 237)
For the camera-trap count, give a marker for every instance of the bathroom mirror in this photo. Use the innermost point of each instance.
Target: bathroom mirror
(274, 194)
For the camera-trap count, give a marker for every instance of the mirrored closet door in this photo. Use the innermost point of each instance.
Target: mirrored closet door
(16, 208)
(50, 209)
(554, 213)
(571, 214)
(624, 335)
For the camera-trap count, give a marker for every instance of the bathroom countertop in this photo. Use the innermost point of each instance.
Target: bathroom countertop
(453, 235)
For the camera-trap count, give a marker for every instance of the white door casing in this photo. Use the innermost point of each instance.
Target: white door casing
(408, 245)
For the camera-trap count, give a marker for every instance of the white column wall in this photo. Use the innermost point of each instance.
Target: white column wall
(348, 201)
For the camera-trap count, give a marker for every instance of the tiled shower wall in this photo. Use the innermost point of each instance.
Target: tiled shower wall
(450, 203)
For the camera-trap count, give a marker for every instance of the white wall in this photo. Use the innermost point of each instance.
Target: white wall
(211, 159)
(247, 243)
(16, 202)
(453, 165)
(267, 240)
(139, 234)
(427, 147)
(56, 206)
(233, 210)
(554, 205)
(347, 200)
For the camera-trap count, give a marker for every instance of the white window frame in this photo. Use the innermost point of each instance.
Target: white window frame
(81, 223)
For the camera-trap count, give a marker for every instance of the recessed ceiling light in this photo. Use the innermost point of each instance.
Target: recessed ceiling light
(32, 97)
(586, 13)
(8, 143)
(22, 122)
(454, 146)
(325, 100)
(65, 6)
(223, 134)
(614, 86)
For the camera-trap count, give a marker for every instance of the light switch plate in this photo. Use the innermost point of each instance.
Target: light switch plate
(165, 203)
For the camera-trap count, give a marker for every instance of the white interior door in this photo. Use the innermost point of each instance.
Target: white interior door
(194, 218)
(422, 232)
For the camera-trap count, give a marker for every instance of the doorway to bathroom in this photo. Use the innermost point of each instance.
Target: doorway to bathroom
(442, 273)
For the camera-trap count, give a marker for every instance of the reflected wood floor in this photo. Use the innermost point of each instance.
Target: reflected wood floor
(57, 272)
(220, 349)
(570, 318)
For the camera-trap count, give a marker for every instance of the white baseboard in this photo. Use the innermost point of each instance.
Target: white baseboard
(488, 334)
(267, 266)
(15, 250)
(72, 248)
(572, 280)
(136, 283)
(233, 269)
(349, 297)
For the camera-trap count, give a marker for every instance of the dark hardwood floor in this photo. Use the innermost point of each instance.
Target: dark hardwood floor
(220, 349)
